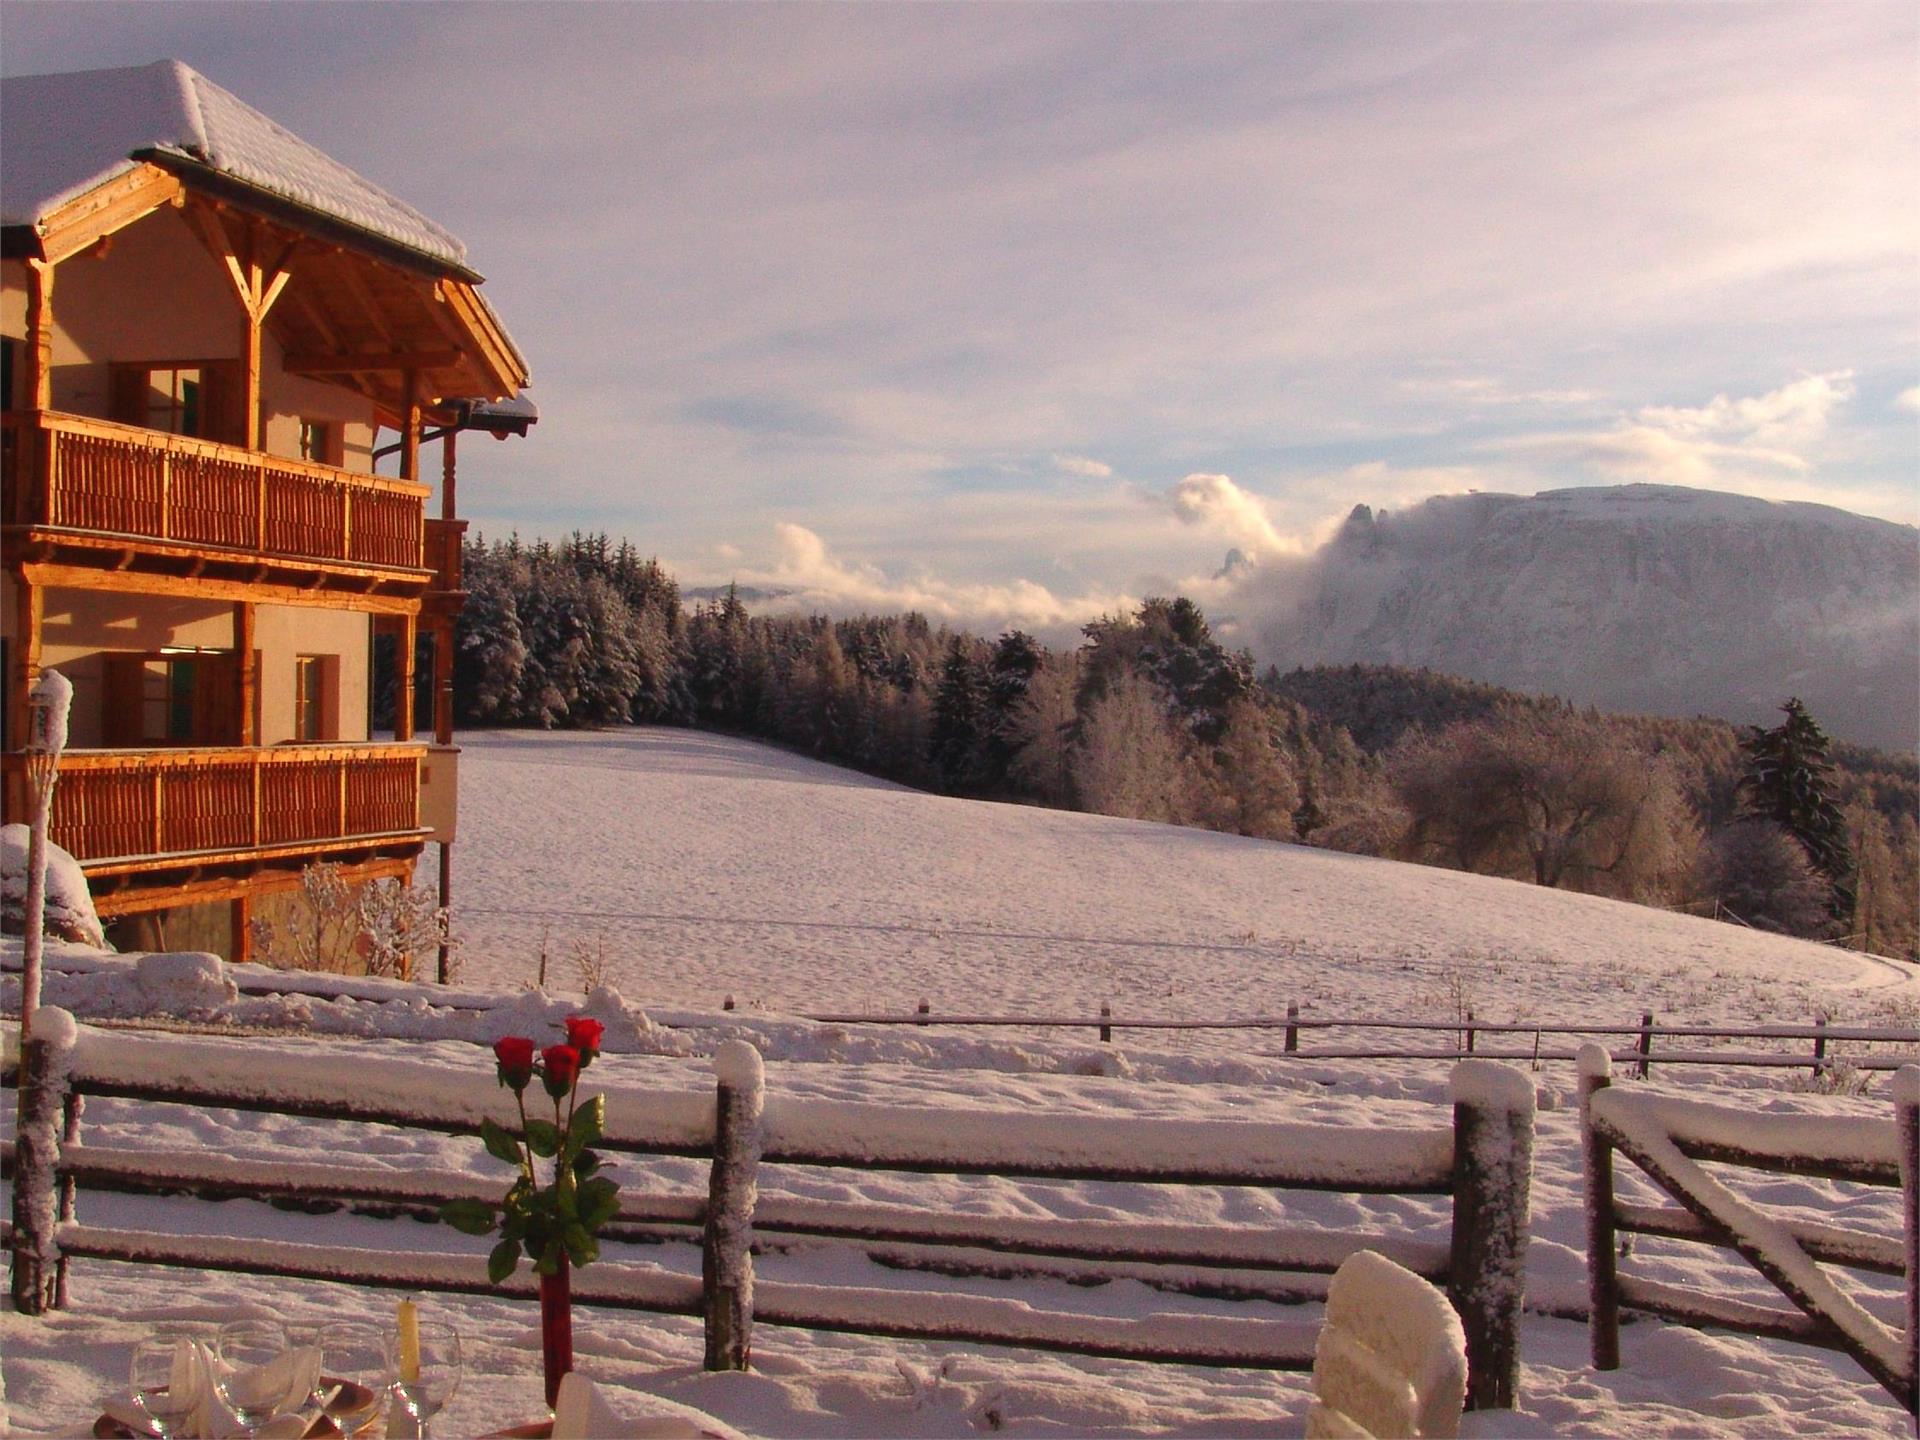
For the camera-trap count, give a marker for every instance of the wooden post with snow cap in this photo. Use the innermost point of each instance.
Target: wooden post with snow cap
(726, 1252)
(46, 1058)
(1596, 1164)
(1906, 1117)
(1493, 1108)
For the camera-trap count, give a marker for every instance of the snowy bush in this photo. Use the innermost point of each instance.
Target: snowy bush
(386, 927)
(69, 913)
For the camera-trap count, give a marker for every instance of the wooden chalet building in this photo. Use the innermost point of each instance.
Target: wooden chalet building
(207, 325)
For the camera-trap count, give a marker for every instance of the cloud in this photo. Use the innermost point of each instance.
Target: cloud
(1908, 400)
(1217, 504)
(1727, 441)
(1794, 415)
(1083, 465)
(816, 579)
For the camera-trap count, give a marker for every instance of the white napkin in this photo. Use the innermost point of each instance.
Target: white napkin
(578, 1411)
(291, 1376)
(192, 1375)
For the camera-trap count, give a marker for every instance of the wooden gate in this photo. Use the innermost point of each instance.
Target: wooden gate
(1668, 1139)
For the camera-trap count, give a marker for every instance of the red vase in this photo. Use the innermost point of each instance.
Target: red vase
(556, 1327)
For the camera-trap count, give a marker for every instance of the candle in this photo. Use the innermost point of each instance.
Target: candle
(409, 1343)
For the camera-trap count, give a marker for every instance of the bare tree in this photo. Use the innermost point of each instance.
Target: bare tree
(1559, 799)
(1755, 873)
(1042, 733)
(1129, 761)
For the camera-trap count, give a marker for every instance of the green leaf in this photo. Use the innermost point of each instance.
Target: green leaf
(500, 1142)
(469, 1217)
(584, 1164)
(599, 1202)
(589, 1122)
(504, 1260)
(543, 1137)
(582, 1248)
(549, 1261)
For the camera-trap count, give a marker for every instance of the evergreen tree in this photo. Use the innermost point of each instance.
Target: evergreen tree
(1789, 780)
(959, 720)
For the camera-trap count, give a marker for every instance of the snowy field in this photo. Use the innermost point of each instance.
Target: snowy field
(709, 866)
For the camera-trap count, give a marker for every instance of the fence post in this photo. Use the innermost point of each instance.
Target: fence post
(1603, 1258)
(1469, 1044)
(46, 1060)
(1646, 1041)
(922, 1012)
(1906, 1114)
(71, 1106)
(1106, 1022)
(1819, 1043)
(1293, 1027)
(726, 1251)
(1493, 1107)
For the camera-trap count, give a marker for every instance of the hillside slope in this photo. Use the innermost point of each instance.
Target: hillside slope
(1636, 598)
(709, 866)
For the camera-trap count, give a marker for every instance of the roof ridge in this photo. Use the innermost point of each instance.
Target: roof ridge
(186, 81)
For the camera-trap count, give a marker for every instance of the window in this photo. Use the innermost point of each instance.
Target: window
(320, 442)
(198, 398)
(316, 708)
(172, 401)
(162, 698)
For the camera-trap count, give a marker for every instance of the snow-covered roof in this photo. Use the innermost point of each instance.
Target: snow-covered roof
(66, 134)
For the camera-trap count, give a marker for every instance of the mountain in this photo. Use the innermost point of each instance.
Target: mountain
(1649, 598)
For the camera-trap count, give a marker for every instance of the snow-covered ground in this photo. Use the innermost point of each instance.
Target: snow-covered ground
(710, 866)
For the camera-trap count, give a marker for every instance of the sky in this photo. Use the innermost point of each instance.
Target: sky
(1016, 313)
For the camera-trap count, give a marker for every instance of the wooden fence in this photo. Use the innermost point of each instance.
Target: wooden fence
(1474, 1038)
(1482, 1160)
(1667, 1138)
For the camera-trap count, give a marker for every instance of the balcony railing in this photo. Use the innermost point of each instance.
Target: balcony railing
(71, 472)
(123, 805)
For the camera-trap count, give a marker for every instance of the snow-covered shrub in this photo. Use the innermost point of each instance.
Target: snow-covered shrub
(1757, 874)
(69, 913)
(400, 925)
(384, 927)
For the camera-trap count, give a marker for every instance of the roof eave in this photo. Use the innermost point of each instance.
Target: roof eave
(272, 206)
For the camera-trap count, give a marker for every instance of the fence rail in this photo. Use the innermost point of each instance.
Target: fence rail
(1482, 1160)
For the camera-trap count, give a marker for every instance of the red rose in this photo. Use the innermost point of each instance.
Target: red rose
(515, 1056)
(584, 1035)
(562, 1065)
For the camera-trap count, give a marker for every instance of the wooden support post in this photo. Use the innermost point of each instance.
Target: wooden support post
(1493, 1107)
(246, 670)
(1906, 1116)
(45, 1058)
(240, 911)
(1819, 1043)
(71, 1109)
(443, 963)
(1596, 1156)
(37, 362)
(30, 612)
(1106, 1022)
(403, 698)
(726, 1251)
(443, 683)
(1293, 1028)
(410, 426)
(1646, 1044)
(447, 466)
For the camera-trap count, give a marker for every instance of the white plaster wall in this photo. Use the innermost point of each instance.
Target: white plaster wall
(284, 632)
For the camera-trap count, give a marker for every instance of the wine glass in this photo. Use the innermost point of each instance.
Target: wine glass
(167, 1406)
(247, 1375)
(426, 1393)
(356, 1356)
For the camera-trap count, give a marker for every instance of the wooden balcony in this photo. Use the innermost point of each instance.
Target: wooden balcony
(95, 494)
(120, 812)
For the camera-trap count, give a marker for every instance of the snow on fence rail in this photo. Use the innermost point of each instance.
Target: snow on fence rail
(1482, 1160)
(1667, 1139)
(1470, 1034)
